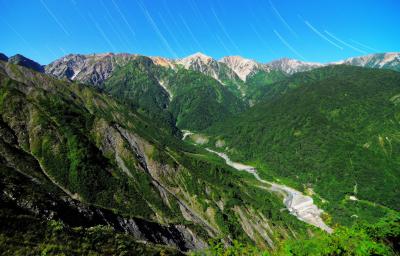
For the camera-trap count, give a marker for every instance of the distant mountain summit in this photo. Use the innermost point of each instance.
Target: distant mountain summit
(291, 66)
(21, 60)
(208, 66)
(248, 80)
(390, 60)
(3, 57)
(91, 68)
(96, 68)
(243, 67)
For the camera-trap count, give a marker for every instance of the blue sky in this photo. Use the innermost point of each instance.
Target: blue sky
(264, 30)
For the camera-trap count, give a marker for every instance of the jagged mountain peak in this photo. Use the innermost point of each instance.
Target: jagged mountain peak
(200, 55)
(241, 66)
(385, 57)
(289, 61)
(96, 68)
(164, 62)
(291, 66)
(204, 64)
(389, 60)
(196, 57)
(89, 68)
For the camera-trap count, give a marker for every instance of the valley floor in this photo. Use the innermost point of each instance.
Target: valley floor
(299, 205)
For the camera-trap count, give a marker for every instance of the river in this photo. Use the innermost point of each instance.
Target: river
(297, 203)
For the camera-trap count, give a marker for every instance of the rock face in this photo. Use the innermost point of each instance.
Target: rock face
(243, 67)
(200, 62)
(91, 69)
(291, 66)
(164, 62)
(18, 59)
(390, 60)
(207, 65)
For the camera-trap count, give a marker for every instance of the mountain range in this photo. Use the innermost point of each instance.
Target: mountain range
(232, 71)
(241, 82)
(230, 67)
(113, 154)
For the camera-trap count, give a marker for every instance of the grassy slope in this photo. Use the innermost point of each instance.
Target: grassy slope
(334, 129)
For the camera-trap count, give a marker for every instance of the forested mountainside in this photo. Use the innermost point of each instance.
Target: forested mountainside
(165, 91)
(227, 86)
(92, 160)
(333, 131)
(85, 152)
(188, 98)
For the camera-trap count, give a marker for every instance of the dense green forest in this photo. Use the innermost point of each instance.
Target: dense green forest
(95, 150)
(103, 171)
(188, 100)
(260, 83)
(334, 130)
(200, 101)
(381, 238)
(136, 85)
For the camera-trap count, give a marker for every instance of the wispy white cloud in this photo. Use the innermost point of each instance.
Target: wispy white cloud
(365, 46)
(156, 29)
(222, 27)
(55, 56)
(78, 11)
(223, 44)
(177, 27)
(288, 45)
(172, 34)
(191, 34)
(344, 43)
(278, 14)
(23, 40)
(102, 33)
(63, 51)
(54, 17)
(113, 24)
(197, 11)
(124, 18)
(268, 45)
(322, 35)
(18, 34)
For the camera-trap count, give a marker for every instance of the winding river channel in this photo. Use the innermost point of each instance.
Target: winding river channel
(297, 203)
